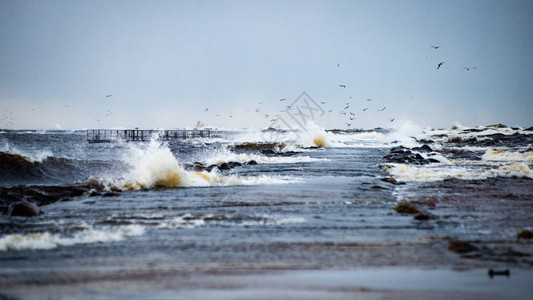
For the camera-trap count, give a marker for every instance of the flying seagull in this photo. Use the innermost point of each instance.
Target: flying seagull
(469, 68)
(392, 120)
(337, 65)
(342, 85)
(107, 96)
(440, 64)
(282, 99)
(435, 47)
(382, 109)
(364, 109)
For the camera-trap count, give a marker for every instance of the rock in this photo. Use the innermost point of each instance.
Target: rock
(424, 148)
(95, 194)
(111, 194)
(23, 209)
(403, 155)
(461, 247)
(424, 216)
(406, 208)
(211, 167)
(498, 126)
(198, 166)
(529, 129)
(251, 162)
(505, 272)
(390, 180)
(233, 164)
(378, 187)
(224, 166)
(425, 141)
(525, 234)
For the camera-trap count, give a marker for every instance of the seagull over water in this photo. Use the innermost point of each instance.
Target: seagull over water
(440, 64)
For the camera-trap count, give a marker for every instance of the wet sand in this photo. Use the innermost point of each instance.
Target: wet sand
(363, 283)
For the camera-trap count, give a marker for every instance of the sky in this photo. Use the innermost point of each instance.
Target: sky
(169, 64)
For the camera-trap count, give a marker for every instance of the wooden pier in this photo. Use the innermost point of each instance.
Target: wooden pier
(139, 135)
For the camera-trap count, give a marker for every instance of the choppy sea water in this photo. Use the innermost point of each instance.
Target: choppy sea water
(251, 201)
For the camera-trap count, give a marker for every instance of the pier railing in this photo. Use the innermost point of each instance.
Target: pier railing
(132, 135)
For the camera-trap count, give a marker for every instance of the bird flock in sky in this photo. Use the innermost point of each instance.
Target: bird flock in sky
(346, 109)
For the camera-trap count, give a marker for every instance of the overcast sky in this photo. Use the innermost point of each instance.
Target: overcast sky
(165, 62)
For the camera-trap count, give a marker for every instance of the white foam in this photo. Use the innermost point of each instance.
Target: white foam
(185, 221)
(500, 155)
(154, 165)
(38, 156)
(224, 155)
(47, 240)
(404, 172)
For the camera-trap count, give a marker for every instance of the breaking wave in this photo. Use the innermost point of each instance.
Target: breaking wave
(153, 165)
(47, 240)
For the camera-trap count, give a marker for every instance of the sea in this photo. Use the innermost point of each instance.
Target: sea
(269, 214)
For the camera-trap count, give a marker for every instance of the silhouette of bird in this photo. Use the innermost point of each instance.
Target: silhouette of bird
(435, 47)
(347, 107)
(348, 124)
(382, 109)
(469, 68)
(342, 85)
(107, 96)
(323, 102)
(257, 110)
(439, 65)
(282, 99)
(337, 65)
(330, 110)
(206, 109)
(364, 109)
(392, 120)
(368, 99)
(352, 118)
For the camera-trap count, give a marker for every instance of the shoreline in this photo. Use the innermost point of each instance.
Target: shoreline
(372, 283)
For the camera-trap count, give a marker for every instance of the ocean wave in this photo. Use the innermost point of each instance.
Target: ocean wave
(201, 220)
(501, 155)
(47, 240)
(153, 165)
(224, 156)
(404, 172)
